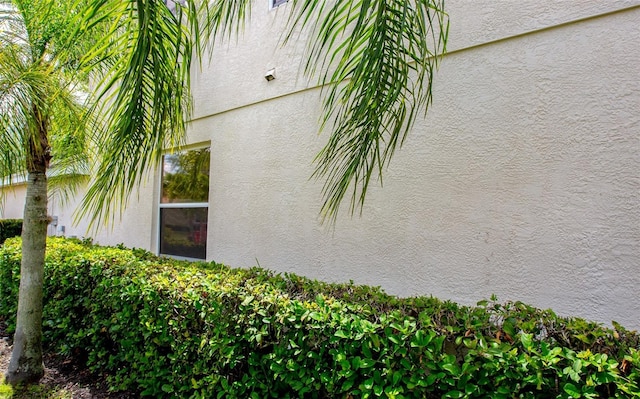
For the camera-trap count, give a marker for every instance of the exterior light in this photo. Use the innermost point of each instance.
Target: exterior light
(270, 75)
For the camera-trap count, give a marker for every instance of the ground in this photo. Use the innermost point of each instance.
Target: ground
(63, 379)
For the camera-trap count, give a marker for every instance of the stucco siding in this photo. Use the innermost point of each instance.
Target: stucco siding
(522, 181)
(12, 201)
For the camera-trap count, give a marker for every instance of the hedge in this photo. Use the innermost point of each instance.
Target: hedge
(171, 329)
(10, 228)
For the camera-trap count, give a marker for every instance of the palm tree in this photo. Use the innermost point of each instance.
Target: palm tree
(39, 105)
(382, 52)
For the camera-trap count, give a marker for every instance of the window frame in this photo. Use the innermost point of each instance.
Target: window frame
(180, 205)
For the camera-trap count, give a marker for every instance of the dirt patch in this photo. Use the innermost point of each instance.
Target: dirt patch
(5, 354)
(62, 373)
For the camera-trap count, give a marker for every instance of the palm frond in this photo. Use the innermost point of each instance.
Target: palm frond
(24, 88)
(70, 164)
(144, 62)
(144, 97)
(376, 60)
(37, 94)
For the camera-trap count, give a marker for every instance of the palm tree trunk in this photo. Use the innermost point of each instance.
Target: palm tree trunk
(26, 364)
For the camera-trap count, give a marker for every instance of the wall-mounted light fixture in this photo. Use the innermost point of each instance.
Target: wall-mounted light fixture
(270, 75)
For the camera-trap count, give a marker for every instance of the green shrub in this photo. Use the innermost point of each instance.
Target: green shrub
(10, 228)
(174, 329)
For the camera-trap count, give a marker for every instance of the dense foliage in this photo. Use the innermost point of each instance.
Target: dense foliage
(172, 329)
(10, 228)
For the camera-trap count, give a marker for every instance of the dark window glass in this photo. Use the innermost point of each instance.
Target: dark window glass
(185, 180)
(183, 232)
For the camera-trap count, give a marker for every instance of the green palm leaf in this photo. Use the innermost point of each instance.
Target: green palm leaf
(39, 91)
(375, 59)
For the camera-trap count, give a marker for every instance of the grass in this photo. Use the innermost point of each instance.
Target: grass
(32, 392)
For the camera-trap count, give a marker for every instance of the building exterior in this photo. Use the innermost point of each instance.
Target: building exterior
(522, 181)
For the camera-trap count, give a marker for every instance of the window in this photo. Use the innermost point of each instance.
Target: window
(276, 3)
(184, 203)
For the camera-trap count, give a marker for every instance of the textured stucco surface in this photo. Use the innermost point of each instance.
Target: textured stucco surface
(135, 227)
(12, 202)
(523, 180)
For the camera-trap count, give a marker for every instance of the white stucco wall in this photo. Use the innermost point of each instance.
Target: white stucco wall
(523, 181)
(12, 201)
(135, 227)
